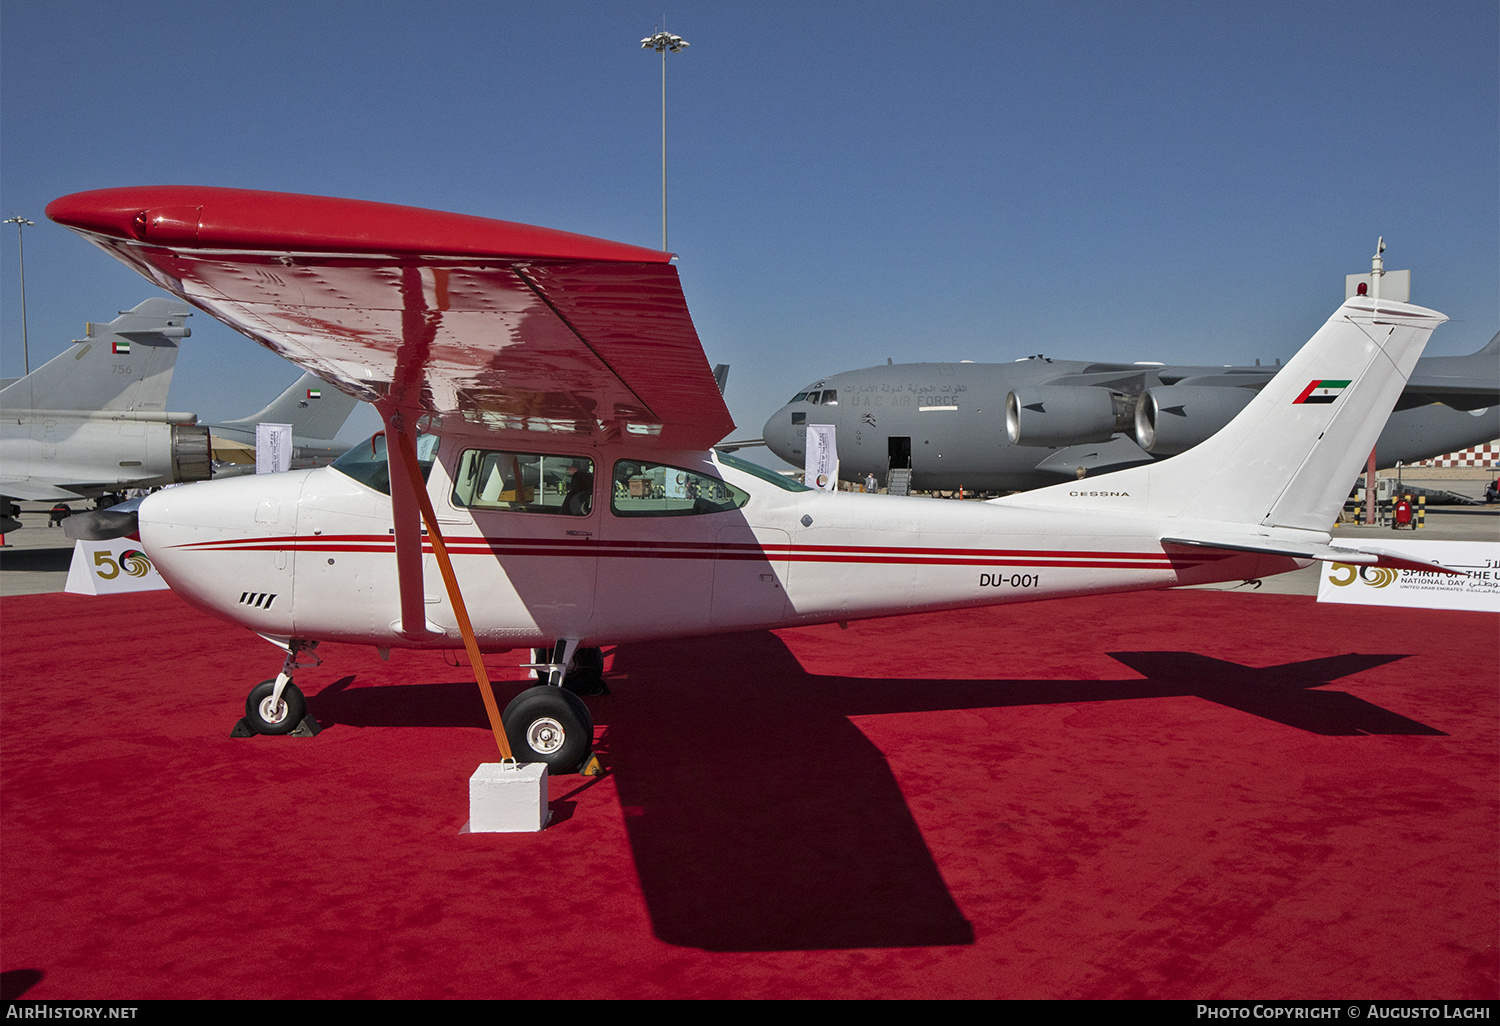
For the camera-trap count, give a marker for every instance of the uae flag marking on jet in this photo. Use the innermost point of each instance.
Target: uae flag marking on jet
(120, 348)
(1324, 391)
(314, 393)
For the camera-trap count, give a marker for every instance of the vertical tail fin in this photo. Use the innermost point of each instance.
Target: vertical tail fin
(313, 408)
(1291, 456)
(124, 365)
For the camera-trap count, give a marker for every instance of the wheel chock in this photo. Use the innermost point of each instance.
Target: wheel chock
(591, 767)
(309, 727)
(508, 798)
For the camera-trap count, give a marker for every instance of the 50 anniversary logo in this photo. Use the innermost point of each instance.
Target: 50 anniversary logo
(1343, 574)
(132, 561)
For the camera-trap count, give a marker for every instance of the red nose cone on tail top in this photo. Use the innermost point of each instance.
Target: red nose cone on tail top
(206, 217)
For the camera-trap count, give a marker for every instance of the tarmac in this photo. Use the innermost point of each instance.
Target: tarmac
(35, 559)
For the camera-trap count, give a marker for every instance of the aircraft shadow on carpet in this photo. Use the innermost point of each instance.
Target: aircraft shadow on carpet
(763, 819)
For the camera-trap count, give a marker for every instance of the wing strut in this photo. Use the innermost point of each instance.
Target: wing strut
(406, 456)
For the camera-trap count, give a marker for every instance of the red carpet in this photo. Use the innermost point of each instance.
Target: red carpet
(977, 804)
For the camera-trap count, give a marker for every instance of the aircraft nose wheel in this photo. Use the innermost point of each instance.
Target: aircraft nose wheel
(550, 725)
(281, 718)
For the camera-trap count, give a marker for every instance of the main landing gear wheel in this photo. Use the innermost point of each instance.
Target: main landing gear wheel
(550, 725)
(283, 717)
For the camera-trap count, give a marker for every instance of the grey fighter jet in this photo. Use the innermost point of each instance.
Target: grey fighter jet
(94, 421)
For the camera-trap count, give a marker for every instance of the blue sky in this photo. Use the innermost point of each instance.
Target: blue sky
(1176, 181)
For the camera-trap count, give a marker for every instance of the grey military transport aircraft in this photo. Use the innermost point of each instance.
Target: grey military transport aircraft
(1037, 421)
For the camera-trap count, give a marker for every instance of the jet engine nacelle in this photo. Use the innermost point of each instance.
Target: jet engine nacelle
(109, 450)
(1064, 415)
(192, 455)
(1171, 419)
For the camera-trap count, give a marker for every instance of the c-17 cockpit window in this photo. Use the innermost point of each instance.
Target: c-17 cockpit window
(653, 490)
(830, 397)
(525, 482)
(799, 397)
(366, 462)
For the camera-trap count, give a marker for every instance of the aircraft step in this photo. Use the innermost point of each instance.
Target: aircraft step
(898, 481)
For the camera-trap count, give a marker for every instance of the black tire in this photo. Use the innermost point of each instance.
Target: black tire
(586, 673)
(550, 725)
(282, 720)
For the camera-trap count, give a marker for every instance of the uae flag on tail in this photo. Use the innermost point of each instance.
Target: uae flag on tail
(1324, 391)
(315, 393)
(120, 348)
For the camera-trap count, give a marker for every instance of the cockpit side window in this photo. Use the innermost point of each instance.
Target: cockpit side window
(654, 490)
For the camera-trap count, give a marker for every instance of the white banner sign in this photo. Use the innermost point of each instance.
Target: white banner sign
(1478, 589)
(111, 567)
(273, 448)
(822, 466)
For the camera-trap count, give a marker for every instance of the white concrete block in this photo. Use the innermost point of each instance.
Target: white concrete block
(508, 798)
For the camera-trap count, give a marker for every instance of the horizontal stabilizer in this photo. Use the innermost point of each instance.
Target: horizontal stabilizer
(1364, 555)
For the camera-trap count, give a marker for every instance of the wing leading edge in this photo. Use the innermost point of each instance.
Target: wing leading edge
(504, 325)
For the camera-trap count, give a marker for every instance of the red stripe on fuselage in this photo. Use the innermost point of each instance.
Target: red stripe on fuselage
(886, 555)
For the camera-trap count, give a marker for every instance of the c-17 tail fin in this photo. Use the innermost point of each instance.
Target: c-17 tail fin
(125, 365)
(1290, 457)
(314, 409)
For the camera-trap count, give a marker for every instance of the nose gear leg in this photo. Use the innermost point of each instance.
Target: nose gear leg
(277, 707)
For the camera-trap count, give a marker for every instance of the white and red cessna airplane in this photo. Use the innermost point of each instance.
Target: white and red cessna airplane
(552, 393)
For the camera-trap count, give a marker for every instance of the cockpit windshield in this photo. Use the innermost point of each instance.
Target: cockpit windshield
(766, 474)
(815, 396)
(366, 461)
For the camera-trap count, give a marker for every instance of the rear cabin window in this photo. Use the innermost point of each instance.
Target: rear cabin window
(521, 482)
(654, 490)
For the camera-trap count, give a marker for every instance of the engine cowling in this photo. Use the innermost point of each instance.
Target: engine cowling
(1173, 418)
(1064, 415)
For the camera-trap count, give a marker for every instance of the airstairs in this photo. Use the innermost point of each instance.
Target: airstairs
(898, 481)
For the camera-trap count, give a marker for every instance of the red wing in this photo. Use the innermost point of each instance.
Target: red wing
(508, 325)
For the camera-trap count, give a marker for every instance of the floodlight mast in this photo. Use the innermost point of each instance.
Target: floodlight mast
(20, 223)
(662, 42)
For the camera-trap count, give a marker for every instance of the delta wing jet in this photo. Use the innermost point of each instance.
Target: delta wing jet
(94, 418)
(546, 478)
(315, 411)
